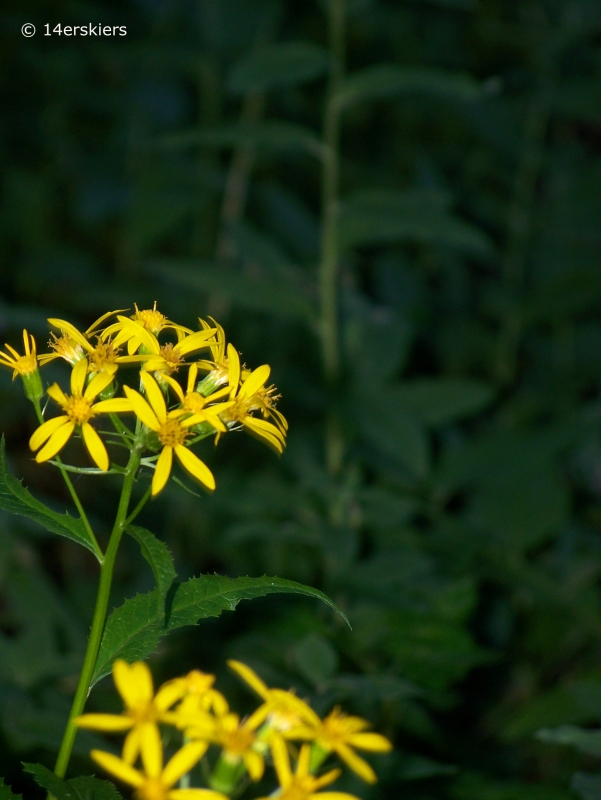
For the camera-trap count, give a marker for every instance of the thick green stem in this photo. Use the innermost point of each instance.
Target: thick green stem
(99, 618)
(330, 247)
(84, 518)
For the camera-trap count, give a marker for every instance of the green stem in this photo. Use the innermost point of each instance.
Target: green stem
(99, 618)
(73, 493)
(330, 245)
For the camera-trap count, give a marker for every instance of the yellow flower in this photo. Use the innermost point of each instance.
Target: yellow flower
(73, 345)
(302, 785)
(237, 740)
(172, 433)
(151, 320)
(340, 733)
(143, 708)
(250, 396)
(194, 403)
(156, 782)
(79, 409)
(199, 697)
(282, 709)
(166, 358)
(26, 364)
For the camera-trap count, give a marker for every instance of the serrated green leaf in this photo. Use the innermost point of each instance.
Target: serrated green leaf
(82, 788)
(158, 556)
(587, 785)
(437, 401)
(257, 293)
(6, 793)
(386, 80)
(133, 631)
(284, 64)
(584, 740)
(274, 135)
(383, 217)
(18, 500)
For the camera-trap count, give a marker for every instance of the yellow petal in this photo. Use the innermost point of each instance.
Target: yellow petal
(302, 768)
(194, 342)
(163, 470)
(117, 405)
(192, 375)
(118, 768)
(328, 778)
(57, 394)
(98, 384)
(95, 446)
(57, 441)
(254, 764)
(175, 386)
(71, 331)
(104, 722)
(254, 427)
(133, 329)
(141, 408)
(133, 682)
(45, 431)
(233, 360)
(254, 381)
(101, 319)
(195, 466)
(168, 694)
(357, 764)
(183, 761)
(155, 396)
(78, 376)
(131, 746)
(250, 676)
(373, 742)
(151, 749)
(281, 761)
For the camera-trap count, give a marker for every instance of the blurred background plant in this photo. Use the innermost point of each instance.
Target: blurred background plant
(396, 204)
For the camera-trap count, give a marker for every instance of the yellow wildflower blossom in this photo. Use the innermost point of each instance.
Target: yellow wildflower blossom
(26, 364)
(249, 396)
(142, 707)
(237, 739)
(156, 781)
(199, 696)
(339, 732)
(172, 433)
(193, 402)
(79, 409)
(282, 710)
(151, 320)
(302, 785)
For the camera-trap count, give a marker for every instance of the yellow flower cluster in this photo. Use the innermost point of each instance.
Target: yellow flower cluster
(170, 416)
(193, 706)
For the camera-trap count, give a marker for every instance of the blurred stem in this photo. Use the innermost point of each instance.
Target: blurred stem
(329, 246)
(519, 225)
(99, 618)
(74, 496)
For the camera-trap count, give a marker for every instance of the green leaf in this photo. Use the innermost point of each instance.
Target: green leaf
(587, 785)
(18, 500)
(385, 80)
(586, 741)
(133, 631)
(6, 793)
(275, 135)
(380, 217)
(254, 292)
(158, 556)
(437, 401)
(83, 788)
(284, 64)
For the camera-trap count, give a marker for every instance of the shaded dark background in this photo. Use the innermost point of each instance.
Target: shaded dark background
(462, 531)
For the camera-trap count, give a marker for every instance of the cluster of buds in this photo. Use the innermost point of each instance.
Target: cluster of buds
(217, 393)
(200, 717)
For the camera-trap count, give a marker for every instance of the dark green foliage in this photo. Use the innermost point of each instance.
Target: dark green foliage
(84, 788)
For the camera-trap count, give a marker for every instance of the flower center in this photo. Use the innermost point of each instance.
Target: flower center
(102, 355)
(150, 318)
(145, 712)
(171, 357)
(78, 409)
(25, 365)
(66, 348)
(239, 411)
(299, 789)
(194, 402)
(172, 433)
(152, 789)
